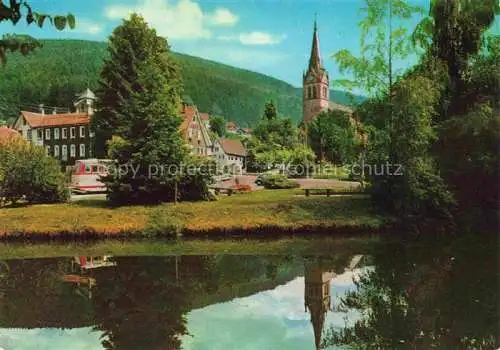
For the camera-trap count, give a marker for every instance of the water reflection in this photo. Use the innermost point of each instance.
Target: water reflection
(249, 302)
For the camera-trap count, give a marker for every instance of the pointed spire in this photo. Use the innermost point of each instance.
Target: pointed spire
(317, 299)
(315, 60)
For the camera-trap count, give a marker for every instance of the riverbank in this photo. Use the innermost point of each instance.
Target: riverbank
(263, 213)
(291, 246)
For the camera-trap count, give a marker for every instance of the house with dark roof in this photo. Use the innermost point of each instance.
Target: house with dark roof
(230, 153)
(195, 132)
(66, 136)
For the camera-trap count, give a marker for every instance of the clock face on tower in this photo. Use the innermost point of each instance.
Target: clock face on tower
(310, 79)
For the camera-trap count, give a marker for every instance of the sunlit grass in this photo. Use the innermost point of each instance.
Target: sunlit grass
(262, 209)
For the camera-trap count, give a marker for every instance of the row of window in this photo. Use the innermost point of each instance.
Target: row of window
(62, 151)
(313, 92)
(61, 133)
(222, 156)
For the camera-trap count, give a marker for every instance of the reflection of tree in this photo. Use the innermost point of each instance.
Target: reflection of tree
(34, 295)
(140, 304)
(434, 295)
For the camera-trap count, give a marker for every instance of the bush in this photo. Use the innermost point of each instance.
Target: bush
(27, 173)
(276, 182)
(192, 185)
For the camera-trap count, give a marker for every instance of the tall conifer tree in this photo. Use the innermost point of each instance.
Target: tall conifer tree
(139, 99)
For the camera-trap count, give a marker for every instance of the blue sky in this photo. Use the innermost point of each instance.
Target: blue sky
(268, 36)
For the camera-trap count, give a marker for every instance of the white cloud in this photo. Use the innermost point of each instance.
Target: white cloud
(254, 38)
(260, 38)
(88, 27)
(223, 17)
(183, 19)
(253, 58)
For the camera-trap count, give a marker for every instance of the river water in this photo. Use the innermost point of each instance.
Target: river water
(417, 294)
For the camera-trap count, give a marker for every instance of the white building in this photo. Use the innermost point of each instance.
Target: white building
(229, 153)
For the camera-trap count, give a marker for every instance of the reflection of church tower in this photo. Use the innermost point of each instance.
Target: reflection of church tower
(317, 299)
(315, 83)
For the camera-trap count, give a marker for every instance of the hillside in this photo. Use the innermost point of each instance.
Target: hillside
(62, 68)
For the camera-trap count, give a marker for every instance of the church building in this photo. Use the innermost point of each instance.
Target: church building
(316, 85)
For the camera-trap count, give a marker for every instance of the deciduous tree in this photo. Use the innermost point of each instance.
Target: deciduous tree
(218, 125)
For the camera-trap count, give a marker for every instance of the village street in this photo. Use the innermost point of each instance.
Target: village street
(248, 180)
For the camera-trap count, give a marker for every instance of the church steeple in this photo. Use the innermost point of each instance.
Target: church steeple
(315, 82)
(315, 58)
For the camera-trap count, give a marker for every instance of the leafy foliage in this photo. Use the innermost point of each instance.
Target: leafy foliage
(218, 125)
(275, 141)
(443, 109)
(381, 45)
(27, 173)
(13, 12)
(333, 137)
(418, 190)
(278, 182)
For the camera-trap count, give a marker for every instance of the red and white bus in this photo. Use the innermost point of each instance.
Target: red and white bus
(86, 175)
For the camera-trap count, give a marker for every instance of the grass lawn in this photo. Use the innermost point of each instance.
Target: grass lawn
(257, 212)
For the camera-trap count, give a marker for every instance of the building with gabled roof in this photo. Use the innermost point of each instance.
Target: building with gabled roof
(195, 132)
(230, 153)
(66, 136)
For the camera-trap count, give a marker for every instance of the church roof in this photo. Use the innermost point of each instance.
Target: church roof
(315, 62)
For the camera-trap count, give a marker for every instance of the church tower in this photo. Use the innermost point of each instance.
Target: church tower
(317, 299)
(315, 83)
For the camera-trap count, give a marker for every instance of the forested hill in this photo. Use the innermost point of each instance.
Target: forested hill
(62, 68)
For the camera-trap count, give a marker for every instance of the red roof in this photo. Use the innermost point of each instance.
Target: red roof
(187, 115)
(233, 147)
(37, 120)
(204, 116)
(7, 134)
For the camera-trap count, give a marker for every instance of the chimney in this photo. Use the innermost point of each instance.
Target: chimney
(42, 109)
(54, 111)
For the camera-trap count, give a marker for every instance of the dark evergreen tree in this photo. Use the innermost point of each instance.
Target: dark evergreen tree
(139, 101)
(270, 112)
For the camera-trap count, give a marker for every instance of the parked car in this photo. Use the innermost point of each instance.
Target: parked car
(260, 177)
